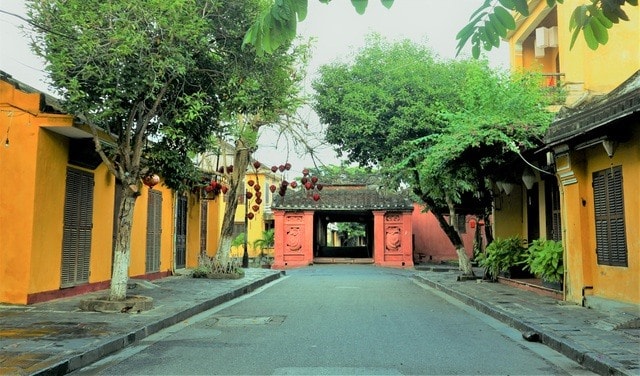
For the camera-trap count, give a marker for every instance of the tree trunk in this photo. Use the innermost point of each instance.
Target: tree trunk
(122, 253)
(463, 260)
(240, 163)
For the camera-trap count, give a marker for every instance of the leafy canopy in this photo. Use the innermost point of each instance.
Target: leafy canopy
(442, 127)
(487, 25)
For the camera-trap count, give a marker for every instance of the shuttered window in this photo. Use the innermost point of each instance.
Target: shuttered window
(204, 210)
(154, 231)
(181, 232)
(611, 242)
(77, 224)
(553, 218)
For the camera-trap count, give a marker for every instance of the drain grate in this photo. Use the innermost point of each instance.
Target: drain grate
(248, 320)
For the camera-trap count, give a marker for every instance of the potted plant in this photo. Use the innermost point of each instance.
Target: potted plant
(266, 241)
(544, 259)
(501, 256)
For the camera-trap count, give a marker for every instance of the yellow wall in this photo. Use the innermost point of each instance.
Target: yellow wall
(24, 186)
(255, 226)
(581, 65)
(509, 216)
(612, 282)
(139, 232)
(33, 169)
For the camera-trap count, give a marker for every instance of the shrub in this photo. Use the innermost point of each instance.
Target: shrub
(501, 255)
(209, 267)
(544, 259)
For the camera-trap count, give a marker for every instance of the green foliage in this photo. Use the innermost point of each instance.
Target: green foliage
(501, 255)
(444, 128)
(209, 267)
(492, 20)
(345, 174)
(134, 69)
(277, 25)
(266, 241)
(351, 232)
(544, 259)
(238, 241)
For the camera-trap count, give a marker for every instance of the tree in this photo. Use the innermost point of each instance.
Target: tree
(490, 22)
(264, 89)
(442, 128)
(150, 73)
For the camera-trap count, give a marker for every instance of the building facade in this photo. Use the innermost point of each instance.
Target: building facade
(584, 189)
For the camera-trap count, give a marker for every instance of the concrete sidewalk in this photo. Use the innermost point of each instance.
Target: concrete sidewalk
(56, 337)
(605, 342)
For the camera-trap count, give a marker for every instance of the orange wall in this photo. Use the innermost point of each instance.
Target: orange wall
(430, 240)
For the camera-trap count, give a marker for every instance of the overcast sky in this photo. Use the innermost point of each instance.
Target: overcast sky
(338, 32)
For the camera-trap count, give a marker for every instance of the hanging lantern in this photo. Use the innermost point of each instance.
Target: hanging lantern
(528, 178)
(151, 180)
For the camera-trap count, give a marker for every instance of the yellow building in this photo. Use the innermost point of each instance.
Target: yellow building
(584, 191)
(57, 205)
(255, 206)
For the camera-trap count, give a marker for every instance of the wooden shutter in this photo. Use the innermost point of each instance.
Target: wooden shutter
(77, 227)
(181, 232)
(204, 210)
(154, 231)
(611, 243)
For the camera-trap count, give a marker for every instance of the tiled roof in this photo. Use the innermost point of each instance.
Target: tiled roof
(621, 102)
(343, 198)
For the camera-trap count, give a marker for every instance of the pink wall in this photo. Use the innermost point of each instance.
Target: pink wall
(431, 241)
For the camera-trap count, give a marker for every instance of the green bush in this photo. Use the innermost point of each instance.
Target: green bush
(544, 259)
(209, 267)
(501, 255)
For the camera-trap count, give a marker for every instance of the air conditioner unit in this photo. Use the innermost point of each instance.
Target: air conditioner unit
(552, 35)
(542, 37)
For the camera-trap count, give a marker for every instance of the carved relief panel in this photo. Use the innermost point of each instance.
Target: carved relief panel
(393, 233)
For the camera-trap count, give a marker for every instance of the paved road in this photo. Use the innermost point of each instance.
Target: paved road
(339, 319)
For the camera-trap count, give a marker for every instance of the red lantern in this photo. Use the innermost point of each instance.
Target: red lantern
(316, 197)
(249, 215)
(257, 164)
(472, 223)
(251, 183)
(255, 208)
(151, 180)
(272, 188)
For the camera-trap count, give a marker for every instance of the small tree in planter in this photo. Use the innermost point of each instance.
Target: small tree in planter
(266, 241)
(501, 256)
(544, 259)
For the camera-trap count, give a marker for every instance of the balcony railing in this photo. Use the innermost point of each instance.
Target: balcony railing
(555, 86)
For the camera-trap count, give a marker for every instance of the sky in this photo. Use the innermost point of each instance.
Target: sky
(337, 32)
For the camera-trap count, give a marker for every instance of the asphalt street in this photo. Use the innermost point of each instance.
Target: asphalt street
(339, 319)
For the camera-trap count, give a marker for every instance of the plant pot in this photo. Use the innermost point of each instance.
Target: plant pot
(518, 272)
(552, 285)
